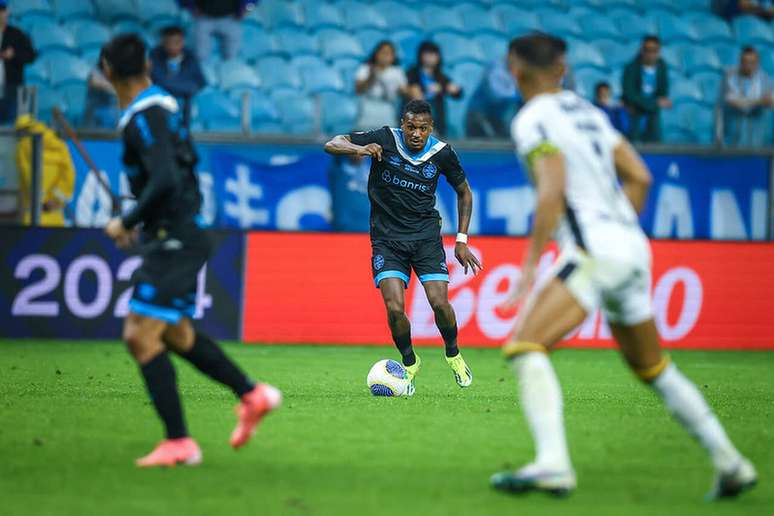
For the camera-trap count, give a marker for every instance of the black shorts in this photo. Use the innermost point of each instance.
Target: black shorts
(396, 258)
(165, 283)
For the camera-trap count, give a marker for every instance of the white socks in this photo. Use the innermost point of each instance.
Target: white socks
(541, 401)
(688, 406)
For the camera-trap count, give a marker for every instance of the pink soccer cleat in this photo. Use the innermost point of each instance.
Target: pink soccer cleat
(254, 405)
(171, 452)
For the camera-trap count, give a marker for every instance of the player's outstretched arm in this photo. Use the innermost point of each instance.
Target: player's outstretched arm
(465, 209)
(634, 174)
(342, 145)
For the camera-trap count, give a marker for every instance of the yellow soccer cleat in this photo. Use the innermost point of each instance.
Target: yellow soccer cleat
(413, 370)
(462, 373)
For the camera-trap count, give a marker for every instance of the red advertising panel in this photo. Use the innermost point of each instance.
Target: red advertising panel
(317, 288)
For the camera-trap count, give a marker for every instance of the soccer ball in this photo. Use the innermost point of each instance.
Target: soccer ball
(389, 378)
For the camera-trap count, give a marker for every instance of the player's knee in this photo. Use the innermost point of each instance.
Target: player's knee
(439, 304)
(139, 344)
(649, 373)
(515, 347)
(395, 309)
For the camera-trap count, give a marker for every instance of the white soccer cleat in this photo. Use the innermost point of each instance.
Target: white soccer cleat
(535, 478)
(732, 483)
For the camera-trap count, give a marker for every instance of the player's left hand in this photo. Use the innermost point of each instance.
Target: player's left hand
(466, 258)
(118, 233)
(523, 286)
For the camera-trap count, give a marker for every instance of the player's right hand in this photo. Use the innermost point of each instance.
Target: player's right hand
(373, 150)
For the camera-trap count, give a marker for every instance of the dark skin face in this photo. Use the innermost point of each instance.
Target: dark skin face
(416, 130)
(651, 51)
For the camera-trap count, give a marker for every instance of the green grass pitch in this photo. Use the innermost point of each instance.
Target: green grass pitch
(73, 416)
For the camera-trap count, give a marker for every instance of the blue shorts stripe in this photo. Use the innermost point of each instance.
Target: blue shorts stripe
(161, 313)
(391, 274)
(434, 277)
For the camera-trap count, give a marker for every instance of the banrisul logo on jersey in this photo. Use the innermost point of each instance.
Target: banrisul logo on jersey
(395, 180)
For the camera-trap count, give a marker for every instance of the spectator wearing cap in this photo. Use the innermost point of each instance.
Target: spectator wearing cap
(176, 69)
(645, 87)
(747, 94)
(16, 52)
(220, 19)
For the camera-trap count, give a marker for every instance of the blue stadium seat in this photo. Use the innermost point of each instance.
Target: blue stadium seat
(583, 11)
(336, 44)
(216, 110)
(697, 120)
(364, 17)
(467, 75)
(126, 25)
(587, 79)
(399, 16)
(22, 8)
(728, 53)
(596, 26)
(339, 113)
(558, 23)
(28, 21)
(91, 55)
(320, 15)
(254, 17)
(347, 67)
(459, 49)
(750, 30)
(72, 10)
(37, 73)
(710, 84)
(148, 10)
(439, 18)
(276, 72)
(631, 23)
(48, 99)
(767, 62)
(492, 44)
(297, 112)
(273, 128)
(65, 68)
(51, 36)
(236, 74)
(210, 72)
(674, 28)
(685, 90)
(615, 80)
(670, 5)
(322, 80)
(256, 43)
(280, 13)
(606, 4)
(710, 27)
(310, 62)
(75, 96)
(261, 108)
(293, 42)
(700, 58)
(673, 56)
(516, 21)
(88, 33)
(115, 10)
(407, 43)
(478, 19)
(584, 55)
(617, 54)
(369, 38)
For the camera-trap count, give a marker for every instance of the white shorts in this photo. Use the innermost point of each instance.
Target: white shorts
(613, 274)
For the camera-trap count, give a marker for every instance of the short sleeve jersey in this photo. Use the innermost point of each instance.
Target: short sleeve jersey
(401, 187)
(159, 161)
(566, 123)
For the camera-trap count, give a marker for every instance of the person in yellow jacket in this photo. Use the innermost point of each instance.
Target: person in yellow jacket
(58, 177)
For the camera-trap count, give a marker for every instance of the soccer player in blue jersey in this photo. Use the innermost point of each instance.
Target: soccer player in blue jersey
(406, 164)
(159, 160)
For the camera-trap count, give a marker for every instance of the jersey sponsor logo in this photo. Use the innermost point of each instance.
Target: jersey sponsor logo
(408, 167)
(403, 183)
(378, 262)
(429, 170)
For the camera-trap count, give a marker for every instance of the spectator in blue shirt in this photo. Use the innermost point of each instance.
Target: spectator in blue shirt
(493, 103)
(747, 94)
(645, 88)
(176, 69)
(614, 111)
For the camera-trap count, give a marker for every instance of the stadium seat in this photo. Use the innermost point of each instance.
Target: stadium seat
(346, 68)
(253, 17)
(72, 10)
(276, 72)
(684, 90)
(310, 62)
(407, 43)
(673, 56)
(617, 54)
(22, 8)
(587, 79)
(148, 10)
(91, 55)
(210, 72)
(459, 49)
(28, 21)
(216, 110)
(750, 30)
(710, 27)
(236, 74)
(363, 17)
(516, 21)
(674, 28)
(767, 62)
(88, 33)
(492, 45)
(261, 108)
(478, 20)
(399, 16)
(75, 97)
(115, 10)
(369, 38)
(293, 42)
(336, 44)
(256, 43)
(297, 112)
(279, 13)
(599, 27)
(439, 18)
(697, 120)
(710, 84)
(274, 128)
(606, 4)
(51, 36)
(338, 113)
(37, 73)
(324, 79)
(580, 12)
(558, 23)
(65, 68)
(125, 25)
(700, 58)
(631, 23)
(48, 99)
(584, 55)
(456, 111)
(615, 80)
(320, 15)
(728, 53)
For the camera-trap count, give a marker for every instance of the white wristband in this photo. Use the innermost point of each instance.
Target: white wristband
(462, 238)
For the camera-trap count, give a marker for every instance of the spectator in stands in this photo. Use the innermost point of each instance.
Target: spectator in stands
(220, 19)
(428, 82)
(614, 111)
(380, 83)
(176, 69)
(493, 104)
(646, 91)
(731, 8)
(747, 93)
(15, 51)
(101, 110)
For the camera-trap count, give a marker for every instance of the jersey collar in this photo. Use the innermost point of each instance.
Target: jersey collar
(432, 147)
(151, 96)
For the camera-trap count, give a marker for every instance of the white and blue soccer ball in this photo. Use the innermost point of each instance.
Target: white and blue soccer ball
(389, 378)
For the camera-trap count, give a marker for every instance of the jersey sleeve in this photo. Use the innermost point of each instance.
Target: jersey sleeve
(149, 136)
(452, 168)
(366, 137)
(532, 137)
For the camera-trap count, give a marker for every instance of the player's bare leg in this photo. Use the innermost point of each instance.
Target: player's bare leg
(446, 321)
(545, 321)
(392, 290)
(143, 338)
(201, 351)
(641, 349)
